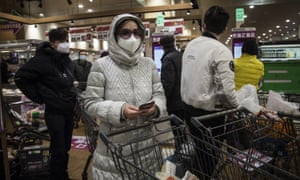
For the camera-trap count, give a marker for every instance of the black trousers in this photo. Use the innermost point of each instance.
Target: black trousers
(60, 127)
(207, 157)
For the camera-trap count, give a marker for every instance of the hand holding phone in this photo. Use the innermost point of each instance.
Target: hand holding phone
(147, 105)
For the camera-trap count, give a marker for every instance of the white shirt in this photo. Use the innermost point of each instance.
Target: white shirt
(207, 79)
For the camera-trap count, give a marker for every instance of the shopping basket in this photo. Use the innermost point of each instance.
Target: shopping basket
(144, 157)
(263, 156)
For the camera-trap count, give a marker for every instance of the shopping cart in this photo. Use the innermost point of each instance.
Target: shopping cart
(289, 123)
(91, 132)
(28, 143)
(145, 157)
(250, 148)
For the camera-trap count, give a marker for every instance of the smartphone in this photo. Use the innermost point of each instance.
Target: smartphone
(147, 105)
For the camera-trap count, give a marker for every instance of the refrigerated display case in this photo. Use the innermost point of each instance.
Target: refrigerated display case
(282, 65)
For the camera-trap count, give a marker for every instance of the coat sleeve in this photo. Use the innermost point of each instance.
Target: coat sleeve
(224, 76)
(95, 104)
(26, 77)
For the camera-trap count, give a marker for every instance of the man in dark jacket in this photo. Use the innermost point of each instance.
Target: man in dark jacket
(47, 79)
(82, 69)
(170, 78)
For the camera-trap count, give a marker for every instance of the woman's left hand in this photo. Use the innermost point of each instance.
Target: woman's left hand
(148, 111)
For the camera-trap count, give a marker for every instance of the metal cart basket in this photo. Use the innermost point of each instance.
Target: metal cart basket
(249, 148)
(145, 156)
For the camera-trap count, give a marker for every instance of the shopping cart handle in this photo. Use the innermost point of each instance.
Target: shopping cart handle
(20, 102)
(283, 114)
(105, 137)
(217, 114)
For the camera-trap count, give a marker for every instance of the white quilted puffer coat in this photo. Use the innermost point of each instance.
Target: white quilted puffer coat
(114, 80)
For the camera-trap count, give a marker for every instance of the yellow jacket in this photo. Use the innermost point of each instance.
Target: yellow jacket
(248, 70)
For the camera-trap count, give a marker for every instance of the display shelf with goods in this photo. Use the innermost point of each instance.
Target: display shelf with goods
(281, 62)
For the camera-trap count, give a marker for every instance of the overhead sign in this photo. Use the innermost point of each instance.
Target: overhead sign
(239, 14)
(15, 27)
(160, 19)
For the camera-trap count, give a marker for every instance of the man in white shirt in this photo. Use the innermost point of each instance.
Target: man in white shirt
(207, 80)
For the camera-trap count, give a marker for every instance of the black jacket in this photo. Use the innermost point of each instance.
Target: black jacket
(171, 77)
(47, 78)
(81, 72)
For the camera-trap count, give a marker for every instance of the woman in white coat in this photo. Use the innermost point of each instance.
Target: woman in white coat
(117, 85)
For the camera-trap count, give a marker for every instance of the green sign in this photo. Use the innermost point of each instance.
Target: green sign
(239, 14)
(160, 20)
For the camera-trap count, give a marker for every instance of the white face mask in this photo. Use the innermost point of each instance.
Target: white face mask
(131, 44)
(63, 47)
(82, 57)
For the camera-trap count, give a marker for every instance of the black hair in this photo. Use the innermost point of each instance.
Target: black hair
(59, 34)
(104, 53)
(167, 41)
(216, 19)
(250, 47)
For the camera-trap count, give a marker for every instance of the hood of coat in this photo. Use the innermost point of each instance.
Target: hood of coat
(118, 54)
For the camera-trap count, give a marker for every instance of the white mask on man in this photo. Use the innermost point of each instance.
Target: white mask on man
(83, 57)
(63, 47)
(131, 44)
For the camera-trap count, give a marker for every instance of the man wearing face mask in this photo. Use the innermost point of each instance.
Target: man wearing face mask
(117, 85)
(81, 69)
(47, 79)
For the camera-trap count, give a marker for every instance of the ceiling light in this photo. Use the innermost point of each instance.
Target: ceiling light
(286, 27)
(293, 23)
(90, 10)
(277, 26)
(287, 20)
(258, 37)
(251, 7)
(195, 4)
(263, 34)
(80, 6)
(91, 0)
(245, 16)
(270, 30)
(194, 28)
(188, 12)
(41, 14)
